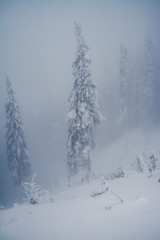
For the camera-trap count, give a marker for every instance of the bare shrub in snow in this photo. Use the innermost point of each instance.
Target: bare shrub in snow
(102, 188)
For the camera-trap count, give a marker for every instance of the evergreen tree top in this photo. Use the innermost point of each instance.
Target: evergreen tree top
(9, 88)
(81, 44)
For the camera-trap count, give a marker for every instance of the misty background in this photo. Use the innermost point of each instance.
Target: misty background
(37, 49)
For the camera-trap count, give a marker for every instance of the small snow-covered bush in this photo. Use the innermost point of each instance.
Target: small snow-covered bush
(117, 174)
(145, 164)
(140, 165)
(33, 192)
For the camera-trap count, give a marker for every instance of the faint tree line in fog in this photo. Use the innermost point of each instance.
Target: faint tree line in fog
(135, 102)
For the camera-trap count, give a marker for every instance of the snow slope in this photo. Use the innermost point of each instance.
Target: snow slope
(75, 215)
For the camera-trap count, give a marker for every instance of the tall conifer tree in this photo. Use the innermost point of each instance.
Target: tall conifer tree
(18, 156)
(84, 113)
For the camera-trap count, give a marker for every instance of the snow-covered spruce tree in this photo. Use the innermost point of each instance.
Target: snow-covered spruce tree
(123, 89)
(147, 83)
(152, 162)
(84, 113)
(18, 156)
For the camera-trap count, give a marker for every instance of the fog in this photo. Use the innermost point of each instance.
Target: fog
(37, 48)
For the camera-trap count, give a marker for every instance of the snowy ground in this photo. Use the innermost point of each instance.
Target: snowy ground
(75, 215)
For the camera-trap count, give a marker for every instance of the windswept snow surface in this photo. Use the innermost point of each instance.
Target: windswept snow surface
(75, 215)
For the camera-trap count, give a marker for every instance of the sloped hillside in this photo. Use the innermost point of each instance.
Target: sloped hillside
(128, 209)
